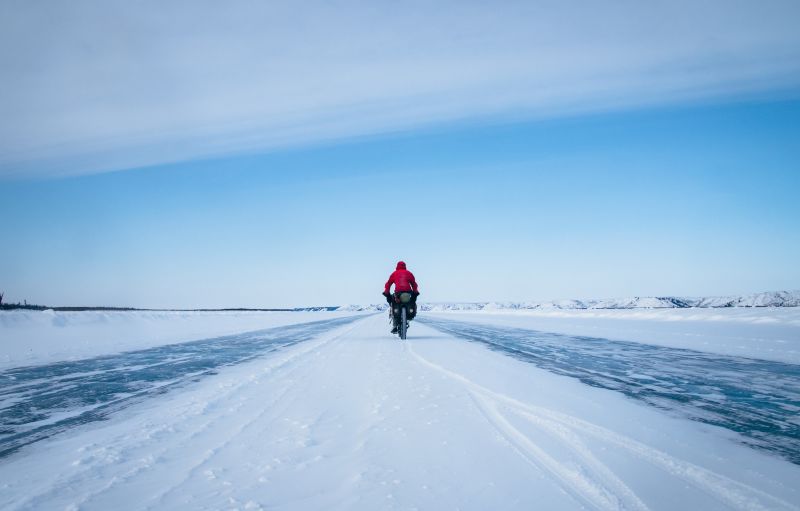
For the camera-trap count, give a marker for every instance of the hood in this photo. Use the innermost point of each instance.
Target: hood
(401, 265)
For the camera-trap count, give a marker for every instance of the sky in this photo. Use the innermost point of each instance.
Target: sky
(257, 155)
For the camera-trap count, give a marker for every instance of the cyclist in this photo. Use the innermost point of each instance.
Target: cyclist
(404, 282)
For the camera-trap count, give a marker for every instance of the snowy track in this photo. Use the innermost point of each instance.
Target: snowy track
(355, 419)
(583, 475)
(39, 401)
(759, 399)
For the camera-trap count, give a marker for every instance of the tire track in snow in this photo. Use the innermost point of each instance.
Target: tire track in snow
(757, 399)
(598, 487)
(592, 484)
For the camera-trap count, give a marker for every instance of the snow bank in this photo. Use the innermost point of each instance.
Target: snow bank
(38, 337)
(765, 333)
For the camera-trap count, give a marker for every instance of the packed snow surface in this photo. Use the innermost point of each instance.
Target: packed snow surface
(338, 414)
(758, 398)
(99, 386)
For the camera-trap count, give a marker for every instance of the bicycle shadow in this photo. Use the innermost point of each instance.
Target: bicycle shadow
(421, 338)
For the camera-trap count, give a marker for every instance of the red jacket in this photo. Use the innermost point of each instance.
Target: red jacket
(402, 279)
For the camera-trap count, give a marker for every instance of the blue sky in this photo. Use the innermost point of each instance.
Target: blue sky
(272, 154)
(691, 200)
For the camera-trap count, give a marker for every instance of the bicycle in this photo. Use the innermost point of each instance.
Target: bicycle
(403, 309)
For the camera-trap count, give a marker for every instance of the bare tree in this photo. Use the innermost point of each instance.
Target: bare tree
(1, 298)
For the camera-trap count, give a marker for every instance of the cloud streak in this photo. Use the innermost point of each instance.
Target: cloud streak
(103, 86)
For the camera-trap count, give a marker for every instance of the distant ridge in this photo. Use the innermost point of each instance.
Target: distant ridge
(767, 299)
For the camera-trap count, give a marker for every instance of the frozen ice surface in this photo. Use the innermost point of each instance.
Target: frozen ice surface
(37, 402)
(769, 333)
(40, 337)
(352, 418)
(758, 398)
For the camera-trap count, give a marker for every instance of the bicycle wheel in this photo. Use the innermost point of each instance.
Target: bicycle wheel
(403, 322)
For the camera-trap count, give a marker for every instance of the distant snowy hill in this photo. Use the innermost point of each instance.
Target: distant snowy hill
(767, 299)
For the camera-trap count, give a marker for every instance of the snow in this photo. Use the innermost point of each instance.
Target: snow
(767, 299)
(355, 419)
(765, 333)
(39, 337)
(773, 299)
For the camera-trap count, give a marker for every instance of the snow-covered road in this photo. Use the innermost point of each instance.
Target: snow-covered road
(37, 402)
(355, 419)
(758, 398)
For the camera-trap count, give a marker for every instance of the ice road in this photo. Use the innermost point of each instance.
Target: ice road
(758, 398)
(339, 414)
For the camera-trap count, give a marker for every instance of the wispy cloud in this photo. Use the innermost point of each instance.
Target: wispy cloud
(93, 86)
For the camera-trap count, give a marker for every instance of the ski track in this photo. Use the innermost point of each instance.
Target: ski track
(596, 486)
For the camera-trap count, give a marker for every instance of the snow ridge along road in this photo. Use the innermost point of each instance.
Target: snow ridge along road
(758, 399)
(39, 401)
